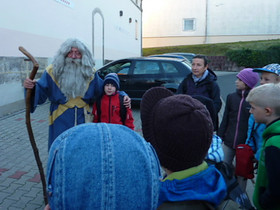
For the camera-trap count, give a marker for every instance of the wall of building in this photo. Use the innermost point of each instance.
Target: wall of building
(216, 21)
(111, 30)
(42, 26)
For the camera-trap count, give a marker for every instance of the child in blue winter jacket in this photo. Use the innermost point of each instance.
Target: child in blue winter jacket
(180, 129)
(268, 74)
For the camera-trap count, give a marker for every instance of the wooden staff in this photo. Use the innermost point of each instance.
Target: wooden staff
(28, 122)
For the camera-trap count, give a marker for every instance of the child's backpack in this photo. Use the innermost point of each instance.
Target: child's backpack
(234, 192)
(123, 110)
(244, 156)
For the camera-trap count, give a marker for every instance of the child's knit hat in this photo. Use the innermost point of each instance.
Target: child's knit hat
(249, 77)
(112, 78)
(178, 126)
(102, 166)
(271, 68)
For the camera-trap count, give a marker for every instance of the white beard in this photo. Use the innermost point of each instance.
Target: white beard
(74, 78)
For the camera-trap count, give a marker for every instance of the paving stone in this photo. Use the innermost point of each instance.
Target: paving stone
(36, 178)
(17, 194)
(2, 188)
(6, 182)
(15, 207)
(3, 196)
(38, 200)
(18, 174)
(3, 170)
(7, 203)
(27, 186)
(35, 191)
(34, 206)
(22, 202)
(13, 187)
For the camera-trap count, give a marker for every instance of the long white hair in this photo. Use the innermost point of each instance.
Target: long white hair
(73, 75)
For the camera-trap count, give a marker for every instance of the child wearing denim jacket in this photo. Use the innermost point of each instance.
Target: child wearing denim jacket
(102, 166)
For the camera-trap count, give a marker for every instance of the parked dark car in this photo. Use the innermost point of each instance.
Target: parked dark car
(139, 74)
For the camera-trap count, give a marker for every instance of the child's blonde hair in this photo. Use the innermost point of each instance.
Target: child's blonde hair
(267, 95)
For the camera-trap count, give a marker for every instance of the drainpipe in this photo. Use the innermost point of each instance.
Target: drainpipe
(141, 27)
(206, 23)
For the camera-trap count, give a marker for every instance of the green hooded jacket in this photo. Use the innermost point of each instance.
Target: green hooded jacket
(267, 193)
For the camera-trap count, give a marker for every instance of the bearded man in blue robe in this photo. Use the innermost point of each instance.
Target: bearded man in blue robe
(71, 85)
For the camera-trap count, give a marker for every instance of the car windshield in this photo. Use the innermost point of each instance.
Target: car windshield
(146, 67)
(188, 63)
(188, 56)
(121, 68)
(168, 56)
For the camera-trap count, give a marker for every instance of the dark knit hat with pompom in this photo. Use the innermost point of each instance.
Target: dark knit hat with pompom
(178, 126)
(112, 78)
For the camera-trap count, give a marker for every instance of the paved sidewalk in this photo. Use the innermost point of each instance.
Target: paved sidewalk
(20, 184)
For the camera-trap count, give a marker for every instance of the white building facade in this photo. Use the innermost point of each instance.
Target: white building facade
(111, 30)
(186, 22)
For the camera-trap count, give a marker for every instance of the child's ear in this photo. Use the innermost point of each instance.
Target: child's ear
(268, 110)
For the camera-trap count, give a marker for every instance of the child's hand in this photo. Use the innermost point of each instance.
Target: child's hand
(127, 101)
(47, 207)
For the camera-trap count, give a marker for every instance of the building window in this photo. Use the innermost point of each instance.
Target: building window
(188, 25)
